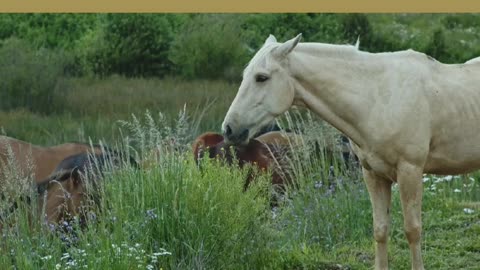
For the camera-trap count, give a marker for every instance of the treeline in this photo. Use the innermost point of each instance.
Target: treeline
(38, 50)
(195, 45)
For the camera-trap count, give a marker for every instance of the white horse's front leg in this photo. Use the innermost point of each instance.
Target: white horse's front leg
(380, 191)
(410, 183)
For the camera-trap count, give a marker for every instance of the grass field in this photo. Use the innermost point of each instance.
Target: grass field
(171, 215)
(174, 217)
(94, 107)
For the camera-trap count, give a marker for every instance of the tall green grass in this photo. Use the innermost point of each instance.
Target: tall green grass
(94, 107)
(174, 216)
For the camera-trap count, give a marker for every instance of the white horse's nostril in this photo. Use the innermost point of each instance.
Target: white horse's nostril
(228, 131)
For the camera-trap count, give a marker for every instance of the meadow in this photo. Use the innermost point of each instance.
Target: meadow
(171, 215)
(174, 217)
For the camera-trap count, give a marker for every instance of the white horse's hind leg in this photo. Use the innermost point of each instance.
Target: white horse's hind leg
(409, 179)
(380, 191)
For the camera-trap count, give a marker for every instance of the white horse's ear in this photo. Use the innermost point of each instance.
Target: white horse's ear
(288, 46)
(357, 44)
(271, 38)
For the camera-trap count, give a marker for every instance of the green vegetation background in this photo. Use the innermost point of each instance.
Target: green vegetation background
(71, 77)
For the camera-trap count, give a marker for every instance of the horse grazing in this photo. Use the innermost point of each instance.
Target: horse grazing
(67, 192)
(265, 152)
(44, 159)
(404, 113)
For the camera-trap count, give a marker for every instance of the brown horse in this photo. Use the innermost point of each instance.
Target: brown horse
(72, 187)
(265, 152)
(43, 159)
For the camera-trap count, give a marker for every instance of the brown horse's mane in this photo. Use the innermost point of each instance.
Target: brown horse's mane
(77, 164)
(110, 151)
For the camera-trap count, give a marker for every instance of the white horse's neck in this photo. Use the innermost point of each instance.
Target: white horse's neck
(335, 81)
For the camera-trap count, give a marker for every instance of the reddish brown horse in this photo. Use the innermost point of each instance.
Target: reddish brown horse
(264, 152)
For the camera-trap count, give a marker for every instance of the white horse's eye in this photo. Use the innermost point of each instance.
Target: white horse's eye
(261, 78)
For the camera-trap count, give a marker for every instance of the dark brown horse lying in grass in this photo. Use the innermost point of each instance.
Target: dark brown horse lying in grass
(264, 152)
(44, 159)
(62, 164)
(72, 189)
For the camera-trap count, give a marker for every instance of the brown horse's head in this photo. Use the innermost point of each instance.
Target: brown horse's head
(210, 142)
(256, 153)
(62, 196)
(71, 187)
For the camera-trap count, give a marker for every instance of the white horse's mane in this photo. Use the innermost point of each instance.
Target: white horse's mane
(333, 50)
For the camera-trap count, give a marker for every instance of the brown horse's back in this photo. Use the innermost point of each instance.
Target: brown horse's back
(16, 164)
(35, 160)
(280, 138)
(47, 159)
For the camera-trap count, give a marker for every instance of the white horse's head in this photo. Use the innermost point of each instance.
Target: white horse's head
(266, 91)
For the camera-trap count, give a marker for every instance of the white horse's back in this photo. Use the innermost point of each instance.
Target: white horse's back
(473, 61)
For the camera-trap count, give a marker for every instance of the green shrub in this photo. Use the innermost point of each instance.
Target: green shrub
(314, 27)
(437, 47)
(210, 46)
(46, 30)
(133, 44)
(358, 26)
(30, 79)
(456, 21)
(7, 26)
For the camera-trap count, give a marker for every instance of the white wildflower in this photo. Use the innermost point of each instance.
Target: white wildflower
(46, 258)
(65, 256)
(457, 190)
(468, 211)
(162, 253)
(438, 180)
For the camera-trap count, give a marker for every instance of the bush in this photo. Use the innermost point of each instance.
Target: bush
(91, 52)
(358, 26)
(30, 78)
(46, 30)
(455, 21)
(314, 27)
(437, 48)
(133, 44)
(210, 46)
(7, 26)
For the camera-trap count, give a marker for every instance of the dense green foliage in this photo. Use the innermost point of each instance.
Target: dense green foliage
(170, 44)
(30, 78)
(38, 50)
(59, 83)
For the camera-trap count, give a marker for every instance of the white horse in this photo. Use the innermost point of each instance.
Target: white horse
(405, 114)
